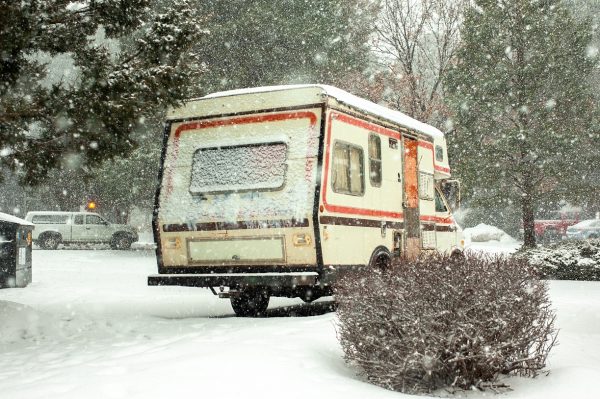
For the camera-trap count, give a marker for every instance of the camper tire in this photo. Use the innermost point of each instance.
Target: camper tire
(250, 302)
(50, 240)
(381, 259)
(458, 255)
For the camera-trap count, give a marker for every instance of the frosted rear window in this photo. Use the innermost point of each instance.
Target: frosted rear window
(251, 167)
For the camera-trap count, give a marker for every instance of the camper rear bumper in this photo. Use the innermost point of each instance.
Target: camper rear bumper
(289, 279)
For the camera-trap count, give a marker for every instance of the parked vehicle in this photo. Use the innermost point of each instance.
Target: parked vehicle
(553, 225)
(585, 229)
(54, 228)
(274, 191)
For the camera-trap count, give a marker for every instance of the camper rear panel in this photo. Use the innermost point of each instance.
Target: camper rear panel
(238, 192)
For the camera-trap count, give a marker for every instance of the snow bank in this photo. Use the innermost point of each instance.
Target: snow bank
(103, 333)
(13, 219)
(23, 324)
(484, 233)
(145, 241)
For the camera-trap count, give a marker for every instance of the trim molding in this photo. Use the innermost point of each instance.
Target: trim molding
(236, 269)
(356, 222)
(240, 225)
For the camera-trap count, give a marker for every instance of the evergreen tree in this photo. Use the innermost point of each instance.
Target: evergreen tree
(587, 193)
(122, 183)
(78, 78)
(260, 43)
(250, 44)
(526, 119)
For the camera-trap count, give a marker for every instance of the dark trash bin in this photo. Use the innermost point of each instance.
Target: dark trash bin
(15, 251)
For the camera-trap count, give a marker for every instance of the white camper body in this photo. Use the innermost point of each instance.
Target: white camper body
(272, 191)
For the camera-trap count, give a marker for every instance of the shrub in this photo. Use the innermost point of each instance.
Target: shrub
(445, 322)
(566, 260)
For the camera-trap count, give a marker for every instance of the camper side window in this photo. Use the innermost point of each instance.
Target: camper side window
(375, 160)
(439, 203)
(439, 153)
(347, 172)
(426, 187)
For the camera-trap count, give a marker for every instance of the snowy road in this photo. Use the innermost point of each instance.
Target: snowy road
(89, 327)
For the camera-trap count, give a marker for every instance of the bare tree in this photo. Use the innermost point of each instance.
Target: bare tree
(417, 42)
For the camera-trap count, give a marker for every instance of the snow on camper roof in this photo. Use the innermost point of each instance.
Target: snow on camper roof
(13, 219)
(348, 99)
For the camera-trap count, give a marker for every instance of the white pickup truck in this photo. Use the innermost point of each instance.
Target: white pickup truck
(54, 228)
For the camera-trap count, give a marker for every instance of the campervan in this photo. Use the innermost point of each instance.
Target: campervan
(274, 191)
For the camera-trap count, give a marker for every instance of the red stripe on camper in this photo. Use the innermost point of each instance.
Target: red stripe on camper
(426, 145)
(362, 211)
(365, 125)
(429, 146)
(437, 219)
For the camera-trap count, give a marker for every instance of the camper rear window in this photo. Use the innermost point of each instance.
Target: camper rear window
(347, 172)
(251, 167)
(50, 219)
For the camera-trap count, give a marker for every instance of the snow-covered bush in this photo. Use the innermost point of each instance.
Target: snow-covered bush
(445, 322)
(566, 260)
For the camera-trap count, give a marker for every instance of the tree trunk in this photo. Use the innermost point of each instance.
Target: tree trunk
(528, 217)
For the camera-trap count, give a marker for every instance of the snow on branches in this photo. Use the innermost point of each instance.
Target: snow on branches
(77, 73)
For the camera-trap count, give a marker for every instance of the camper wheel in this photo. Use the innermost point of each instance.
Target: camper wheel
(250, 301)
(458, 255)
(381, 259)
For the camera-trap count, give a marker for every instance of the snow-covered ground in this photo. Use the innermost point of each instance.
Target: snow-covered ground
(494, 247)
(89, 327)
